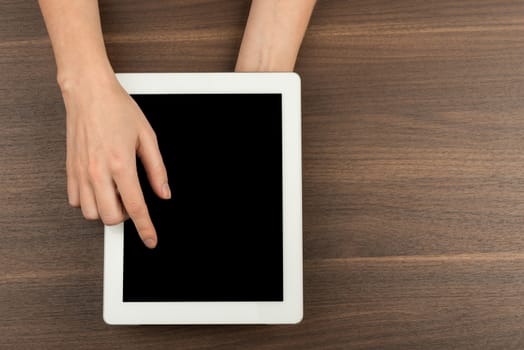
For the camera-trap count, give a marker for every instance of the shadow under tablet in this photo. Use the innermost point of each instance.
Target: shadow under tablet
(220, 236)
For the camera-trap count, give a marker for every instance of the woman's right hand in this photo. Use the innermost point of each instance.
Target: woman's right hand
(106, 130)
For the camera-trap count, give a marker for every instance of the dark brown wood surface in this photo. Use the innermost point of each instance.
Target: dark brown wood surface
(413, 159)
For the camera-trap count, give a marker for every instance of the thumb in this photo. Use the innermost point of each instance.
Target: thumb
(150, 156)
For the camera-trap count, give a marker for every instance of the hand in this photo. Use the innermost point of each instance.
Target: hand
(105, 131)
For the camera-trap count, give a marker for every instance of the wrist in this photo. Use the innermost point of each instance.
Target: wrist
(256, 61)
(95, 76)
(246, 68)
(269, 55)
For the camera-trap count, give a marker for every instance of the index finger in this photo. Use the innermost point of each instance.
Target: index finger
(133, 199)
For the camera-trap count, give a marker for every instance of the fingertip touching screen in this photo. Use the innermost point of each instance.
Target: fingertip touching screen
(220, 235)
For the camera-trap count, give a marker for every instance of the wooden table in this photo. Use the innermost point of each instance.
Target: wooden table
(413, 157)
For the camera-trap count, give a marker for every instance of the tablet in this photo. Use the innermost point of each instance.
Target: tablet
(230, 238)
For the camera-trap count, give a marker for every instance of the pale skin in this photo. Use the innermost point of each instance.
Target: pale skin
(106, 129)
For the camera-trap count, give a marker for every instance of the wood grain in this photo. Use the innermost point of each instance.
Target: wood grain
(413, 159)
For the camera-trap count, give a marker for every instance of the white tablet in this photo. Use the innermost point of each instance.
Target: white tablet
(230, 239)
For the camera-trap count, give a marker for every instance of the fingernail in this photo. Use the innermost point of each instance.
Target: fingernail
(150, 243)
(166, 191)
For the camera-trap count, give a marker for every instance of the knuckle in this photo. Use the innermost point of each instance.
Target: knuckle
(76, 169)
(112, 219)
(90, 214)
(117, 162)
(149, 136)
(136, 209)
(94, 171)
(150, 133)
(153, 136)
(73, 202)
(159, 169)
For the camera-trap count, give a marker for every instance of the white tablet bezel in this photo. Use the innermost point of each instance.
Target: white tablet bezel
(291, 309)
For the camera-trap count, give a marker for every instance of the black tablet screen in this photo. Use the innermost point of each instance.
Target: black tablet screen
(220, 236)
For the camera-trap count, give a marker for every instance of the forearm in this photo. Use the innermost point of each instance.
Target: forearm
(76, 37)
(273, 34)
